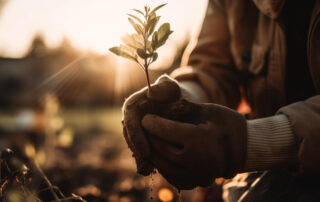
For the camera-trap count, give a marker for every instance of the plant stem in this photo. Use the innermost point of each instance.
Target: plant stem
(147, 75)
(146, 65)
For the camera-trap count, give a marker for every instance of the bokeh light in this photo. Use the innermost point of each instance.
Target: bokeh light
(165, 194)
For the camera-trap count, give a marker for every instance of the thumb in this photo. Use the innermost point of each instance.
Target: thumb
(165, 89)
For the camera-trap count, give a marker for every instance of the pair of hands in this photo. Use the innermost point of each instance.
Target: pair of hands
(190, 144)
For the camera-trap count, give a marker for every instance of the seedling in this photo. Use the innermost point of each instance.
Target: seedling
(138, 47)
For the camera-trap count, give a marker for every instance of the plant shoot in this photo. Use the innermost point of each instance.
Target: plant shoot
(141, 46)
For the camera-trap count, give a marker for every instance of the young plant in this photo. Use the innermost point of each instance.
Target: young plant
(141, 46)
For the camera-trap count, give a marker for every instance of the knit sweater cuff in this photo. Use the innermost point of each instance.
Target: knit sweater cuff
(271, 144)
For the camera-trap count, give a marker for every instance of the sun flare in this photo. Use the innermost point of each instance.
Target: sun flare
(88, 25)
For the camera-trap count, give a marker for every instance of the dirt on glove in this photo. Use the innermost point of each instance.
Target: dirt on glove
(180, 110)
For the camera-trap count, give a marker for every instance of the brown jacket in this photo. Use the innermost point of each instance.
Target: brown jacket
(219, 62)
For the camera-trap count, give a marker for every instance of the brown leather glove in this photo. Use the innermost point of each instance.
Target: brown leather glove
(210, 142)
(163, 91)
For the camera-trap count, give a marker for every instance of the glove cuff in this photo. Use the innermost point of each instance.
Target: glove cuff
(271, 144)
(192, 91)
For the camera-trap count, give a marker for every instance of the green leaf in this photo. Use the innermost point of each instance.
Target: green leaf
(154, 56)
(152, 16)
(152, 24)
(147, 9)
(164, 39)
(154, 40)
(133, 40)
(142, 53)
(163, 34)
(138, 11)
(137, 27)
(136, 18)
(149, 46)
(163, 30)
(125, 52)
(157, 8)
(150, 21)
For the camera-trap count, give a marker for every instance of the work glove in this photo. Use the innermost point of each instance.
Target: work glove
(163, 91)
(208, 141)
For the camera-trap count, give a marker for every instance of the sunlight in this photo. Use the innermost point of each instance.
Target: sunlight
(90, 25)
(120, 76)
(94, 26)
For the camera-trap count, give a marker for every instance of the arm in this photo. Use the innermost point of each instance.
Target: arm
(289, 139)
(193, 91)
(211, 64)
(304, 117)
(219, 142)
(211, 67)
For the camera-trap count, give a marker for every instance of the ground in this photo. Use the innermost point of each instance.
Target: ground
(83, 152)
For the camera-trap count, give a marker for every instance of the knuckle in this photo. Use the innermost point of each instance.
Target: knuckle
(134, 99)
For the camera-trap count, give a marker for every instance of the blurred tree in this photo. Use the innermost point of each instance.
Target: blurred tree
(38, 47)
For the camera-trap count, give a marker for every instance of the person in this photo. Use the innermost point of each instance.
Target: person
(264, 51)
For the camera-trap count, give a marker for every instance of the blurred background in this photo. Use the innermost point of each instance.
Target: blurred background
(61, 92)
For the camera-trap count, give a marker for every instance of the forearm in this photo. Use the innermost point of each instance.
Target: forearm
(297, 150)
(208, 85)
(193, 91)
(271, 144)
(304, 117)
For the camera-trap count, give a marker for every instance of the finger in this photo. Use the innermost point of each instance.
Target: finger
(133, 99)
(171, 131)
(144, 167)
(168, 151)
(164, 90)
(183, 110)
(125, 135)
(135, 133)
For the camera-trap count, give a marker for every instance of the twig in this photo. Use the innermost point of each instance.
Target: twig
(47, 181)
(46, 189)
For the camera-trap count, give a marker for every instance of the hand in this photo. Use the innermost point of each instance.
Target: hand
(164, 90)
(212, 144)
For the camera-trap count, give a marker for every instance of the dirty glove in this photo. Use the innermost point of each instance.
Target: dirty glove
(163, 91)
(209, 143)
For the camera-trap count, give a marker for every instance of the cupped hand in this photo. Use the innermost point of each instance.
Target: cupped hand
(209, 143)
(163, 91)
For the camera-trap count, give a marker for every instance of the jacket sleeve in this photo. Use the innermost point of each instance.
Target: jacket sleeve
(304, 117)
(211, 63)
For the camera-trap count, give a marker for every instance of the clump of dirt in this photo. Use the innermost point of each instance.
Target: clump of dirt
(181, 110)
